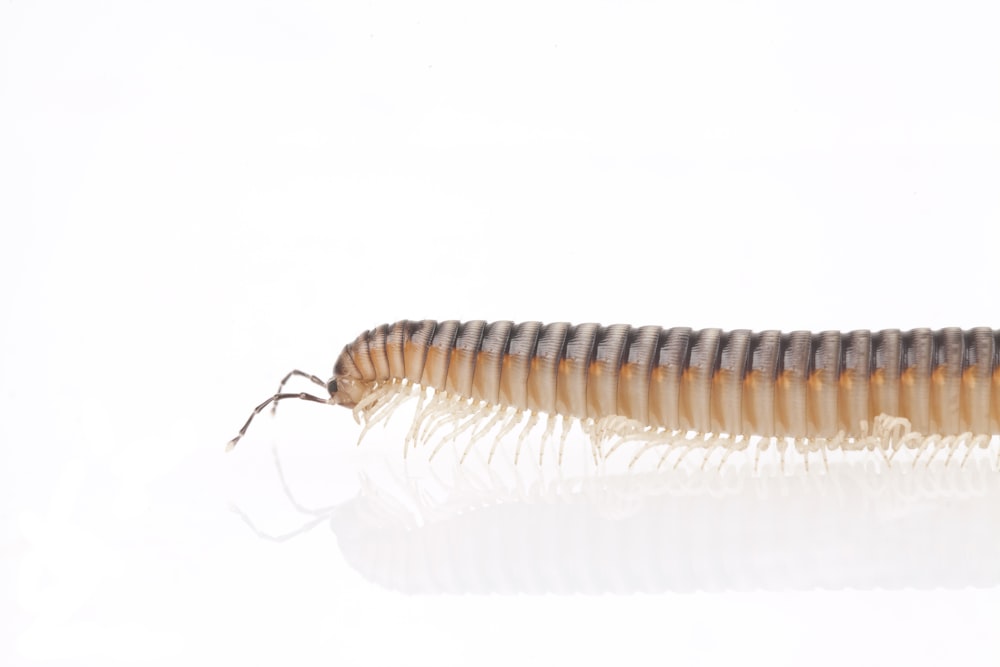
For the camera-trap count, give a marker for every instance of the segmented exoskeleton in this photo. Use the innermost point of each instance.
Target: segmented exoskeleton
(886, 390)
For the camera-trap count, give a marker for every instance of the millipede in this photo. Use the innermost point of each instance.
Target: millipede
(923, 391)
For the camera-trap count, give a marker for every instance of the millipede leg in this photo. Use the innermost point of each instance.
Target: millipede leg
(477, 433)
(425, 415)
(965, 437)
(978, 441)
(646, 446)
(566, 425)
(550, 427)
(618, 443)
(368, 406)
(968, 452)
(782, 446)
(935, 450)
(705, 458)
(684, 452)
(411, 435)
(725, 457)
(382, 411)
(475, 419)
(498, 413)
(274, 399)
(711, 444)
(663, 458)
(496, 441)
(739, 444)
(513, 420)
(437, 448)
(460, 409)
(886, 457)
(281, 385)
(763, 444)
(920, 451)
(950, 442)
(523, 434)
(890, 456)
(596, 436)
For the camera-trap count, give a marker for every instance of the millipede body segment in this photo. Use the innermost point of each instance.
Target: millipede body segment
(830, 388)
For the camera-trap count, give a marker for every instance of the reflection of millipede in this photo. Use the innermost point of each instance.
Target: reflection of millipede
(920, 390)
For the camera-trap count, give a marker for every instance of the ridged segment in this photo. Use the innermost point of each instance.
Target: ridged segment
(415, 346)
(376, 348)
(887, 364)
(854, 386)
(727, 382)
(439, 355)
(604, 370)
(571, 385)
(345, 364)
(791, 390)
(946, 381)
(665, 381)
(394, 340)
(463, 358)
(489, 361)
(915, 378)
(976, 370)
(695, 406)
(824, 384)
(637, 365)
(995, 412)
(517, 364)
(544, 373)
(759, 383)
(361, 356)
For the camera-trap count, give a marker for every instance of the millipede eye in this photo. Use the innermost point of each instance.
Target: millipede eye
(332, 386)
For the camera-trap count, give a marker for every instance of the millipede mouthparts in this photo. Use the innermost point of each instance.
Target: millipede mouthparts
(927, 392)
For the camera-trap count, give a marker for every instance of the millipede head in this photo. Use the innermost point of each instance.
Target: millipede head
(348, 385)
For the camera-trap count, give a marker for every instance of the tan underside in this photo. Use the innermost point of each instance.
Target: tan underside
(886, 436)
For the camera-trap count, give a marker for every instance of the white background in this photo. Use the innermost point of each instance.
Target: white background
(196, 197)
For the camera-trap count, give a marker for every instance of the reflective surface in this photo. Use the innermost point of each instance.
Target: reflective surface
(422, 527)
